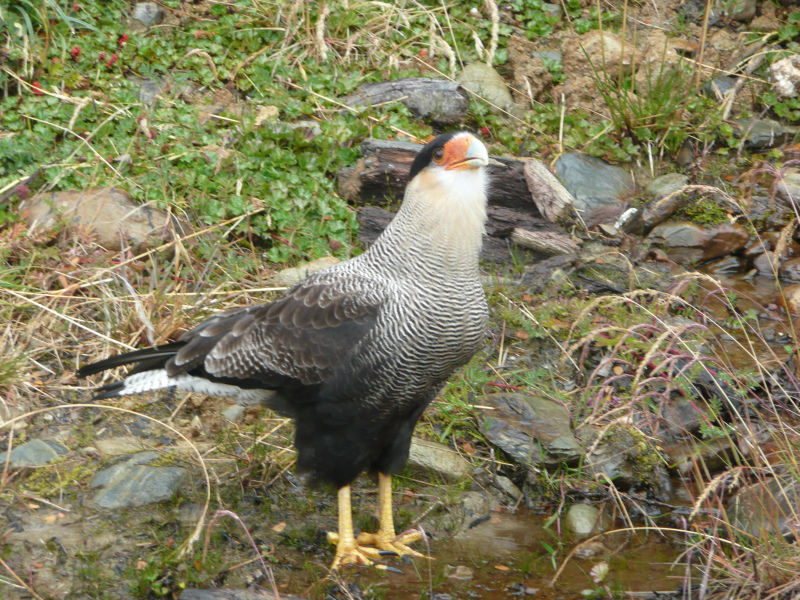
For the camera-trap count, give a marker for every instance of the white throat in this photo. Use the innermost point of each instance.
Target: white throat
(444, 212)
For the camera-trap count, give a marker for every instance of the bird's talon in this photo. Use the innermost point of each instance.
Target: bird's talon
(388, 553)
(392, 570)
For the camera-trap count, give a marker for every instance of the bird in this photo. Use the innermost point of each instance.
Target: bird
(353, 353)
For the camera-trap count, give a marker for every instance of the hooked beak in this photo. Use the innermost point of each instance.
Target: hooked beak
(468, 152)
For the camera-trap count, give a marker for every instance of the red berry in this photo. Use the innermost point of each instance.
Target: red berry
(76, 52)
(37, 89)
(101, 56)
(123, 39)
(76, 7)
(114, 58)
(22, 191)
(485, 131)
(54, 60)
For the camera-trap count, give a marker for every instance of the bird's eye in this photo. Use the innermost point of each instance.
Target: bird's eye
(438, 155)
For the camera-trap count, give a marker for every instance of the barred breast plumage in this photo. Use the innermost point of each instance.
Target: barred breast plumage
(357, 351)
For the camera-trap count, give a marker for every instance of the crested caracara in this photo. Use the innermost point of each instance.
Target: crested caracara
(357, 351)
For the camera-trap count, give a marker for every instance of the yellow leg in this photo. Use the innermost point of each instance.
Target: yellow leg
(348, 551)
(385, 538)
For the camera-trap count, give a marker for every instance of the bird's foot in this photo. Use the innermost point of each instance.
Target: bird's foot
(389, 542)
(356, 553)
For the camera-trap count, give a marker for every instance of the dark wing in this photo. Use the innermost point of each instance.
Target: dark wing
(305, 335)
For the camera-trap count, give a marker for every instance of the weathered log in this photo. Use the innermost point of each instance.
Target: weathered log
(382, 172)
(551, 198)
(546, 242)
(441, 101)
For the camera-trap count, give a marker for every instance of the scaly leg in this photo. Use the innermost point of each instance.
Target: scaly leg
(385, 538)
(348, 551)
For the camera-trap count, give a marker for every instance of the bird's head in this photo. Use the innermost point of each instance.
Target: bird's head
(452, 152)
(447, 184)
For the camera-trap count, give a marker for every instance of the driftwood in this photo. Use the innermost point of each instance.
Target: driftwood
(382, 173)
(546, 242)
(551, 198)
(438, 100)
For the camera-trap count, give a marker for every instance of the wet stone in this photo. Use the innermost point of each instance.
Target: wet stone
(472, 509)
(763, 264)
(33, 454)
(713, 454)
(581, 519)
(663, 205)
(790, 270)
(766, 507)
(686, 242)
(790, 299)
(132, 483)
(719, 86)
(624, 458)
(789, 187)
(761, 134)
(593, 182)
(432, 457)
(458, 573)
(531, 430)
(724, 266)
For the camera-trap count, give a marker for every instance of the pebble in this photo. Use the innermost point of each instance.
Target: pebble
(33, 454)
(132, 483)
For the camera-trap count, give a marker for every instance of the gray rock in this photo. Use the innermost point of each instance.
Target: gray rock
(131, 483)
(740, 10)
(432, 457)
(663, 205)
(790, 270)
(288, 277)
(724, 266)
(531, 430)
(581, 520)
(148, 13)
(148, 89)
(471, 509)
(760, 134)
(484, 81)
(686, 242)
(789, 187)
(33, 454)
(458, 573)
(763, 264)
(682, 417)
(719, 86)
(592, 182)
(766, 508)
(626, 459)
(554, 9)
(666, 185)
(234, 413)
(109, 214)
